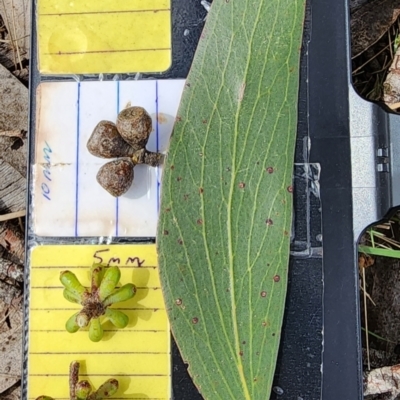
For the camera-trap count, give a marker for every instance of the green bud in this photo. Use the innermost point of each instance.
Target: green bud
(70, 281)
(110, 280)
(97, 276)
(124, 293)
(72, 297)
(106, 390)
(71, 325)
(82, 319)
(95, 330)
(117, 318)
(82, 390)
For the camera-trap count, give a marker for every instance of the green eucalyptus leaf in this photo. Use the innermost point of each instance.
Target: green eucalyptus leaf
(226, 208)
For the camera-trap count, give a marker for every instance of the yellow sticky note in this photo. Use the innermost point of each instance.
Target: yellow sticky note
(138, 356)
(105, 36)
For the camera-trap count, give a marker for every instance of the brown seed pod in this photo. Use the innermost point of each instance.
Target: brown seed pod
(116, 176)
(106, 142)
(134, 125)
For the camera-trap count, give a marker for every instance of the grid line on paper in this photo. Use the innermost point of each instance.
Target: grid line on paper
(106, 12)
(77, 159)
(117, 200)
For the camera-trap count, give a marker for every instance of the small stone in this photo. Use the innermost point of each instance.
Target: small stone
(116, 176)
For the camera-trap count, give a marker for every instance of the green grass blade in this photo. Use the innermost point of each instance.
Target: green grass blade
(377, 251)
(226, 209)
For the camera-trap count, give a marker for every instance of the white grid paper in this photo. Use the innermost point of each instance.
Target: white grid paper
(67, 200)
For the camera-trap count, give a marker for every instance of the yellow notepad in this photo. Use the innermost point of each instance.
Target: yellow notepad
(137, 356)
(107, 36)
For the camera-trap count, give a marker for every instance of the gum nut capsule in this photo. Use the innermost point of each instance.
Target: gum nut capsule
(95, 330)
(124, 293)
(110, 280)
(83, 389)
(106, 142)
(116, 176)
(71, 325)
(107, 389)
(117, 318)
(134, 125)
(70, 282)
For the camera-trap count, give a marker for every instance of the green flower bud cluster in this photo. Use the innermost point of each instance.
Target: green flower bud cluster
(95, 302)
(82, 390)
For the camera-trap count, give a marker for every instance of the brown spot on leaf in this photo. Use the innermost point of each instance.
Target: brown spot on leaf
(179, 178)
(255, 380)
(167, 210)
(277, 278)
(290, 189)
(199, 221)
(244, 342)
(180, 241)
(204, 121)
(269, 222)
(263, 293)
(240, 353)
(242, 185)
(264, 323)
(185, 196)
(178, 119)
(188, 84)
(286, 233)
(165, 232)
(172, 167)
(195, 320)
(201, 190)
(178, 302)
(270, 170)
(273, 334)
